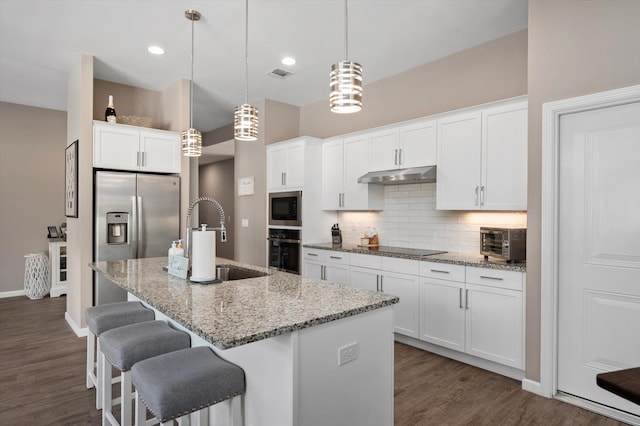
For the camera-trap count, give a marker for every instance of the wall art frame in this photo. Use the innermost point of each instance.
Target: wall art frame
(71, 180)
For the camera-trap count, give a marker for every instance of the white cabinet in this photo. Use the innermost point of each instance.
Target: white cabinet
(285, 165)
(343, 162)
(393, 276)
(482, 159)
(410, 145)
(326, 265)
(123, 147)
(58, 262)
(481, 315)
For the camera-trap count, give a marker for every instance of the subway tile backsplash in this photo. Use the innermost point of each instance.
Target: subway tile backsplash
(410, 219)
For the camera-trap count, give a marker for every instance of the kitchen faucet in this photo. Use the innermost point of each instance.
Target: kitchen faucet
(222, 229)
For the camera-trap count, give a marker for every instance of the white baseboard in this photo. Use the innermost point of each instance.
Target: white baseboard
(532, 386)
(14, 293)
(80, 332)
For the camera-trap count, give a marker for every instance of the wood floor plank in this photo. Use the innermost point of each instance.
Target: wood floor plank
(42, 381)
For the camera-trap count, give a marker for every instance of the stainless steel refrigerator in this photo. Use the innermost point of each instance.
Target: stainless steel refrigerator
(136, 215)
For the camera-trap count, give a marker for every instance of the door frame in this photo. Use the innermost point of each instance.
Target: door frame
(551, 115)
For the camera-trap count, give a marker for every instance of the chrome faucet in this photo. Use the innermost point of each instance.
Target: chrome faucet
(222, 229)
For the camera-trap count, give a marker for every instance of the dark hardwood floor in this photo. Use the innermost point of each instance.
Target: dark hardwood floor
(42, 381)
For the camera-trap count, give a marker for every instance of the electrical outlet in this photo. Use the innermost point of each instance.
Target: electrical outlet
(245, 223)
(348, 353)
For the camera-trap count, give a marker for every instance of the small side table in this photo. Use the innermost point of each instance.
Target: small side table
(58, 261)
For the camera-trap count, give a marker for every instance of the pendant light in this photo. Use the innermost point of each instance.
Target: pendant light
(245, 116)
(345, 80)
(191, 138)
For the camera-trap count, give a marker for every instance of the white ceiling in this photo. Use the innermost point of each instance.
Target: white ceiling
(40, 39)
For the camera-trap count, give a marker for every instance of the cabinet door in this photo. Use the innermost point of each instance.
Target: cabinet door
(161, 151)
(494, 324)
(294, 177)
(312, 269)
(332, 174)
(459, 150)
(336, 273)
(364, 278)
(418, 144)
(406, 311)
(384, 149)
(359, 196)
(276, 167)
(116, 147)
(504, 158)
(442, 313)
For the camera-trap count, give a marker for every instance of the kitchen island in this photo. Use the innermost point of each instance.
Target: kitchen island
(313, 353)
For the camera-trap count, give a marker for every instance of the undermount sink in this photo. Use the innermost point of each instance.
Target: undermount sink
(232, 272)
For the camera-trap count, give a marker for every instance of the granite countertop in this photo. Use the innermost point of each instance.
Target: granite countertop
(457, 258)
(234, 313)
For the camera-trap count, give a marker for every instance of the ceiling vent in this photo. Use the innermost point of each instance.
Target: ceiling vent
(279, 72)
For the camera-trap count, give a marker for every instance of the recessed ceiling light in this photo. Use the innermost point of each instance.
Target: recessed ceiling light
(156, 50)
(288, 61)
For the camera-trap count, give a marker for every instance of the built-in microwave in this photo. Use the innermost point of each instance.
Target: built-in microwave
(509, 244)
(285, 208)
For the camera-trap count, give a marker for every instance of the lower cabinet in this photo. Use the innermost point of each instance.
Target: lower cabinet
(482, 315)
(326, 265)
(58, 262)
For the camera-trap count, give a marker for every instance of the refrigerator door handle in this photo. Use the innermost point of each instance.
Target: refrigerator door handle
(139, 236)
(133, 234)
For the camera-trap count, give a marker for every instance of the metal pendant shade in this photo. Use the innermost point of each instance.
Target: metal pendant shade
(345, 80)
(245, 116)
(191, 138)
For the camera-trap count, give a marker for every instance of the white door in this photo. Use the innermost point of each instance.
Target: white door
(599, 250)
(406, 319)
(442, 313)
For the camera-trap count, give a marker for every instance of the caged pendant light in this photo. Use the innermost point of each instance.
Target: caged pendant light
(345, 80)
(191, 138)
(245, 116)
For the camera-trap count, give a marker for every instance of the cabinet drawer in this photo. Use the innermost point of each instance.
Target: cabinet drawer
(317, 254)
(442, 271)
(512, 280)
(403, 266)
(366, 260)
(340, 257)
(326, 255)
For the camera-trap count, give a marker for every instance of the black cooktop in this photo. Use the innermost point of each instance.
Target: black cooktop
(407, 251)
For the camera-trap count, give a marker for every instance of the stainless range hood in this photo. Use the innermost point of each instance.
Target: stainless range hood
(425, 174)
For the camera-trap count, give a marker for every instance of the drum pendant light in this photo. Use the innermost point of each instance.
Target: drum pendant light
(345, 80)
(191, 138)
(245, 116)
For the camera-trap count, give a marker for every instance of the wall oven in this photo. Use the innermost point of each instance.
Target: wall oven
(284, 249)
(285, 208)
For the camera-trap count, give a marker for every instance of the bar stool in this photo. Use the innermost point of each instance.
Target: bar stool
(181, 382)
(122, 347)
(103, 318)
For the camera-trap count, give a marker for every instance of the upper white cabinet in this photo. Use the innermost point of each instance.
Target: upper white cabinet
(285, 165)
(410, 145)
(124, 147)
(482, 159)
(343, 162)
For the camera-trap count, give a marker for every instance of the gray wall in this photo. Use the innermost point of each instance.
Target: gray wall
(576, 47)
(32, 143)
(216, 181)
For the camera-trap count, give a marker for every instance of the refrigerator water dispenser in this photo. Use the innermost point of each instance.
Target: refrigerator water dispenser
(117, 225)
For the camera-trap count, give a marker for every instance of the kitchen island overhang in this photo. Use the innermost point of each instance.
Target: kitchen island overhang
(287, 332)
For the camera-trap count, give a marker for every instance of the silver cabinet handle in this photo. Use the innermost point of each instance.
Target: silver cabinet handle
(400, 156)
(312, 254)
(460, 297)
(343, 203)
(137, 158)
(282, 179)
(144, 159)
(491, 278)
(322, 272)
(482, 195)
(466, 299)
(477, 189)
(377, 282)
(395, 160)
(440, 271)
(335, 257)
(382, 283)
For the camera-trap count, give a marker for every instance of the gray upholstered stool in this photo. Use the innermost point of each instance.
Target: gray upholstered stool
(178, 383)
(122, 347)
(103, 318)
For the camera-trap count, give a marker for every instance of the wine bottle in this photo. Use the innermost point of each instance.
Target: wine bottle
(110, 113)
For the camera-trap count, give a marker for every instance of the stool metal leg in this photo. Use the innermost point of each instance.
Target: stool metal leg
(99, 374)
(105, 377)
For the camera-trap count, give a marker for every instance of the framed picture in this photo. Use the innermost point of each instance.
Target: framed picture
(71, 180)
(52, 232)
